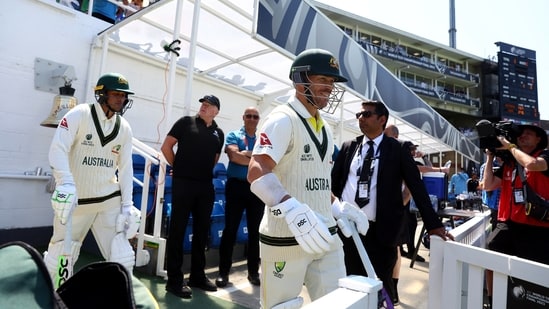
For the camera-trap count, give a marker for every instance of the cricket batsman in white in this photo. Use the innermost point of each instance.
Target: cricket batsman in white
(290, 172)
(91, 159)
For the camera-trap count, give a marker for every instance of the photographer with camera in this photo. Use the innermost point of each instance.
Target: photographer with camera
(518, 233)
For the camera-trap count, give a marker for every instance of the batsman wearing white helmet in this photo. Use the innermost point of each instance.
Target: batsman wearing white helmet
(290, 172)
(91, 158)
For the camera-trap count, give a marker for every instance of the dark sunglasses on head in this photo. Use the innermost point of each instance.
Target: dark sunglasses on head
(250, 116)
(364, 114)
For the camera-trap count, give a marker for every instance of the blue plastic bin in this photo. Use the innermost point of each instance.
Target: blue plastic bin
(217, 224)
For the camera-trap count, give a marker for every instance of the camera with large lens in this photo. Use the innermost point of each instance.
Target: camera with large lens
(489, 131)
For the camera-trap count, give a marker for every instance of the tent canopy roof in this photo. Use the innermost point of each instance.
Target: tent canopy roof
(227, 50)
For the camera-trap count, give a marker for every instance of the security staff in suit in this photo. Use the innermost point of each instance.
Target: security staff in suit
(379, 193)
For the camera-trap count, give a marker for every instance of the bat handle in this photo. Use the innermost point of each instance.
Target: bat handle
(68, 236)
(362, 252)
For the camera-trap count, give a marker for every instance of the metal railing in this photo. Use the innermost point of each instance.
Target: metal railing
(457, 268)
(152, 156)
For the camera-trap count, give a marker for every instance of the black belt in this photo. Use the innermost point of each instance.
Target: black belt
(94, 200)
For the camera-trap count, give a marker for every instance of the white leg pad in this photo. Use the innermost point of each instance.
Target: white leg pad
(122, 252)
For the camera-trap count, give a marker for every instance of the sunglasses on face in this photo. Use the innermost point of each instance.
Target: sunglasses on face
(364, 114)
(250, 116)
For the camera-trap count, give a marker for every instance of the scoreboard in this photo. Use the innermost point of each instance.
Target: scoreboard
(518, 90)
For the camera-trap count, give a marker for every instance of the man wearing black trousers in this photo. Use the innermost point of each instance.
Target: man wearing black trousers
(199, 142)
(379, 193)
(238, 146)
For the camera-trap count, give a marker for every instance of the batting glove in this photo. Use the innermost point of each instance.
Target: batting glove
(347, 214)
(63, 201)
(311, 233)
(128, 221)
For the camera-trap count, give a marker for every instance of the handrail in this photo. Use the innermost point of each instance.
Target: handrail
(152, 156)
(148, 152)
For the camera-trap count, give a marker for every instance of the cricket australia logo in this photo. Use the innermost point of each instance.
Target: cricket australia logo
(279, 267)
(116, 149)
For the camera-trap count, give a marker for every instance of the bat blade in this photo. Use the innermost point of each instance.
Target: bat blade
(64, 261)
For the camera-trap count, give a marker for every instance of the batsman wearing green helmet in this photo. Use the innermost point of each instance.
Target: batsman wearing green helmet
(91, 159)
(290, 172)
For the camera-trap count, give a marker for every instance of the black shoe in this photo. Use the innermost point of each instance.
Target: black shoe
(254, 280)
(204, 284)
(180, 291)
(402, 252)
(221, 281)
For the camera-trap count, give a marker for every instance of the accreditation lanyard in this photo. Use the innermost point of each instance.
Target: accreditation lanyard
(364, 180)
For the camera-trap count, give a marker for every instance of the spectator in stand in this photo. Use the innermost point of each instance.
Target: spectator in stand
(490, 198)
(105, 10)
(239, 146)
(473, 183)
(458, 183)
(135, 6)
(199, 142)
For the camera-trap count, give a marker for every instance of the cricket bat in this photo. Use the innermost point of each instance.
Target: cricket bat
(64, 261)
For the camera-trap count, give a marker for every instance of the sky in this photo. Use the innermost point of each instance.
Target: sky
(479, 24)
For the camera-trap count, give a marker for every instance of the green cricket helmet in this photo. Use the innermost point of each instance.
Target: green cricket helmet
(315, 62)
(114, 82)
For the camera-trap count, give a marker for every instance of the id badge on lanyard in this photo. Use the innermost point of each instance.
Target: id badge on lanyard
(518, 193)
(363, 189)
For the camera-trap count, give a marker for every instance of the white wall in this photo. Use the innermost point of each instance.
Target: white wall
(33, 29)
(65, 36)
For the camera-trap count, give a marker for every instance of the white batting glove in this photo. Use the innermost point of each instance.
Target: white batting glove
(63, 201)
(310, 232)
(347, 214)
(128, 221)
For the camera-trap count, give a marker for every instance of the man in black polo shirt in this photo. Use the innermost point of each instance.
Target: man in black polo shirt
(199, 143)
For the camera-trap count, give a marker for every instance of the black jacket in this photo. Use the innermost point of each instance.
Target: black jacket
(394, 166)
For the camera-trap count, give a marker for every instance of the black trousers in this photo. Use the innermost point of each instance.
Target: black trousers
(382, 256)
(196, 198)
(239, 198)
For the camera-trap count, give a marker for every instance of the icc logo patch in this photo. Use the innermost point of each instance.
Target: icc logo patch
(88, 141)
(307, 156)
